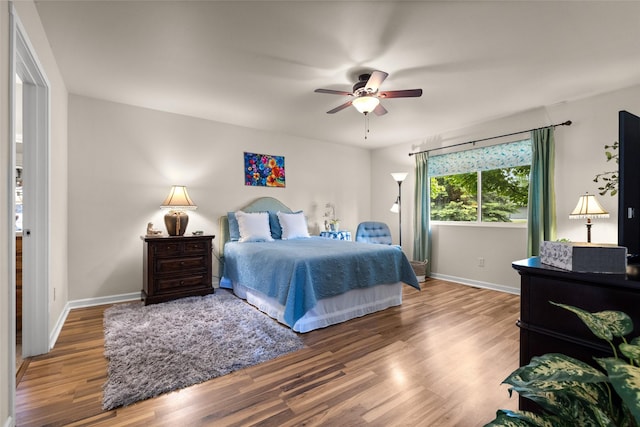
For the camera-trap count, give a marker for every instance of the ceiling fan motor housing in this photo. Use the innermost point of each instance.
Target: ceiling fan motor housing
(362, 82)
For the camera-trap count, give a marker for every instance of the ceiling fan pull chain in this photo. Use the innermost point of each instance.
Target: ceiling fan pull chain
(366, 126)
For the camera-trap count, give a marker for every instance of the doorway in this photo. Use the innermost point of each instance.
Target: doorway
(33, 155)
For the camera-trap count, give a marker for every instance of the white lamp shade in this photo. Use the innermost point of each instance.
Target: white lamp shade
(365, 104)
(395, 208)
(588, 207)
(178, 199)
(399, 176)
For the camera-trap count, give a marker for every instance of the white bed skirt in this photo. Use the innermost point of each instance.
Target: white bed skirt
(328, 311)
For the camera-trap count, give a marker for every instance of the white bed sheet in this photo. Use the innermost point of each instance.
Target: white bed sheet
(328, 311)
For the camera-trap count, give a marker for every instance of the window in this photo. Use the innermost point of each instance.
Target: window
(488, 184)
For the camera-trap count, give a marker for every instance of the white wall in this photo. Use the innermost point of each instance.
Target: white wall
(124, 159)
(579, 157)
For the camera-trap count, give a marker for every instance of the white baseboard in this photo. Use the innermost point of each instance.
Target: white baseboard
(88, 302)
(477, 283)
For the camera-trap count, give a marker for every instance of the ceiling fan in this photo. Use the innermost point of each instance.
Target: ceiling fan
(366, 97)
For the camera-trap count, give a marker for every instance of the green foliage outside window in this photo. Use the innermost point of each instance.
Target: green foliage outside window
(503, 195)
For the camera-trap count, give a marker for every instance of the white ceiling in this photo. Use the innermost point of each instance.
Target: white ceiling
(256, 64)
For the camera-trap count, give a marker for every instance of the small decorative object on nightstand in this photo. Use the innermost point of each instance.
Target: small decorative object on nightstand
(176, 267)
(336, 235)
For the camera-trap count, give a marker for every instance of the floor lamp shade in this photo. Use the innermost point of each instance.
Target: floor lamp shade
(177, 202)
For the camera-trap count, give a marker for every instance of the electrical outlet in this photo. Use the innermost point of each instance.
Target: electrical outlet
(480, 262)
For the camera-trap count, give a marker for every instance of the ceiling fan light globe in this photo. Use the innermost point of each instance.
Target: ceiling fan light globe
(365, 104)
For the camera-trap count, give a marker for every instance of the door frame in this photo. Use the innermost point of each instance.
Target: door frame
(36, 159)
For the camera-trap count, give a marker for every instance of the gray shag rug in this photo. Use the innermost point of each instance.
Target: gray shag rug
(162, 347)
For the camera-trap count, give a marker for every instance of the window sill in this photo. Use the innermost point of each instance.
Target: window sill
(480, 224)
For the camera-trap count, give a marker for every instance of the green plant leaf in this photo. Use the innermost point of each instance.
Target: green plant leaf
(604, 324)
(626, 381)
(632, 351)
(566, 404)
(563, 386)
(506, 418)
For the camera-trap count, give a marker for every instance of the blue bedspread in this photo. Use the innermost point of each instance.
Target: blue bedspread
(300, 272)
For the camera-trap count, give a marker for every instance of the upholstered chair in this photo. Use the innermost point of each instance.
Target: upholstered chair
(373, 232)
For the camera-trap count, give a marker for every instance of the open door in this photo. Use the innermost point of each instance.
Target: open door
(629, 185)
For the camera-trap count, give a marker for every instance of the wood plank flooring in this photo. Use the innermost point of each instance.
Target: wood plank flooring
(437, 360)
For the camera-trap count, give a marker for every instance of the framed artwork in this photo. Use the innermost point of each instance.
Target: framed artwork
(264, 170)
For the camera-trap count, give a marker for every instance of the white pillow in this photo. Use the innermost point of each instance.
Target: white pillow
(254, 227)
(294, 225)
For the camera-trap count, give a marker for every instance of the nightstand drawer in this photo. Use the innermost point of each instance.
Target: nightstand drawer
(174, 265)
(177, 283)
(167, 248)
(195, 248)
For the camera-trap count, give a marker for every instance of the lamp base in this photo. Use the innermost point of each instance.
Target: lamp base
(176, 223)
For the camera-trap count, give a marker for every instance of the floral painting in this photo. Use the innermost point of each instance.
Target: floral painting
(264, 170)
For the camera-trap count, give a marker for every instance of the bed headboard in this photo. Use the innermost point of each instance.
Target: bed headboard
(263, 204)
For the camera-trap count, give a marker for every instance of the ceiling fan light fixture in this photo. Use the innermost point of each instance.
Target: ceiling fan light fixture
(366, 103)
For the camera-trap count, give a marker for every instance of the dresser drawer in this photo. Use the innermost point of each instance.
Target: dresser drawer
(175, 265)
(175, 284)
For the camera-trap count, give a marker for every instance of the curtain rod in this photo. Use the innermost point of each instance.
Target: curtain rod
(567, 123)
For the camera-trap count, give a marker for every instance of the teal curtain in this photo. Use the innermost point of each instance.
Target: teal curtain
(421, 227)
(542, 198)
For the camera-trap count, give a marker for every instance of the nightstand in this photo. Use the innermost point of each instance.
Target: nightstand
(176, 267)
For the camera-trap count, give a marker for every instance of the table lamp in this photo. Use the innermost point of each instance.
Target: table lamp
(588, 207)
(177, 203)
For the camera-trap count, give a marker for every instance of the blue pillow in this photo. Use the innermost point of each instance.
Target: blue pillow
(234, 229)
(274, 224)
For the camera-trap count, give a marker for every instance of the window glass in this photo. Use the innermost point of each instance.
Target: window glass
(505, 194)
(454, 197)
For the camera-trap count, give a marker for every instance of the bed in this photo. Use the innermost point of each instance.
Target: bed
(306, 282)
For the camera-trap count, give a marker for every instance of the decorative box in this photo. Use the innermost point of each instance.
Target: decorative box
(584, 257)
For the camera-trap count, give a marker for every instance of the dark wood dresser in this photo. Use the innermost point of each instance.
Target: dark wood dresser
(176, 267)
(545, 328)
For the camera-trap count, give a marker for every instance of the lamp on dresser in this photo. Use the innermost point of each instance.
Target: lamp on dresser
(177, 203)
(588, 207)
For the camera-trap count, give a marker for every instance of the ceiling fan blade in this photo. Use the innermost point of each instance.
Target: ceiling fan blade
(380, 110)
(408, 93)
(340, 107)
(333, 92)
(376, 79)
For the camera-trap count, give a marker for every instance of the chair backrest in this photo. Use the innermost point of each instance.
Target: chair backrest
(373, 232)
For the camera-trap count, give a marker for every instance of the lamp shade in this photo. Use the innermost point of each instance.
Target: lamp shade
(588, 207)
(399, 176)
(365, 104)
(178, 199)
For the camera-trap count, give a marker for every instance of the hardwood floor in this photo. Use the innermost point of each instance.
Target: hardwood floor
(437, 360)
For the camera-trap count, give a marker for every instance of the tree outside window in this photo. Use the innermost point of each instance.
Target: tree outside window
(496, 195)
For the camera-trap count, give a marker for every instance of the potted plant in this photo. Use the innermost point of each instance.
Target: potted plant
(573, 393)
(609, 180)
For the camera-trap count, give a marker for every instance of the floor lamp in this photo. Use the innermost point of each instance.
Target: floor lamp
(397, 206)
